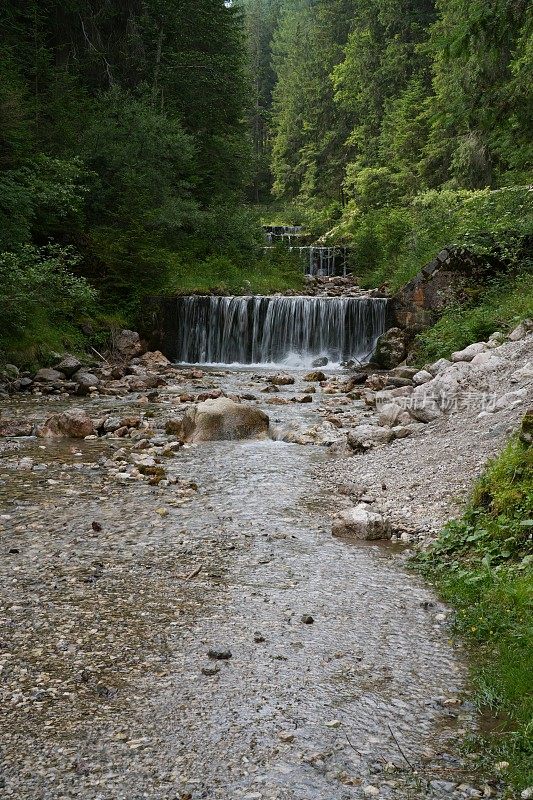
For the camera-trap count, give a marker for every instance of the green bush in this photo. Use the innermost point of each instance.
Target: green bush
(391, 245)
(41, 299)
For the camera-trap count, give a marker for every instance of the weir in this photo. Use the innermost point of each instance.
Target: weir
(273, 330)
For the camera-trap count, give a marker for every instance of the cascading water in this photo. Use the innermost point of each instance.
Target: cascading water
(273, 330)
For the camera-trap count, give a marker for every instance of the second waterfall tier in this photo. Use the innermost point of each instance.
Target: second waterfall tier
(273, 330)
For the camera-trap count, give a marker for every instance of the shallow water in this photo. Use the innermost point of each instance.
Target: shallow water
(106, 633)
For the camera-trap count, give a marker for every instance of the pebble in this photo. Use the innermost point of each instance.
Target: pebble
(286, 736)
(307, 619)
(219, 653)
(210, 670)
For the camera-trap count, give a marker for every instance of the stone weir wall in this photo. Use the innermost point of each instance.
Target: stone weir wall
(444, 281)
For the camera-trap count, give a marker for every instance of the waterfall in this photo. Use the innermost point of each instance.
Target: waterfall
(273, 330)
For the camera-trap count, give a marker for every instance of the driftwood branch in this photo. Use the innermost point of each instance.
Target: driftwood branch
(400, 749)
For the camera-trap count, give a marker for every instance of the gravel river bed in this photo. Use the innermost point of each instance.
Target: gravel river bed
(210, 638)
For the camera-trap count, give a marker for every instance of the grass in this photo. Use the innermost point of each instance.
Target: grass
(482, 565)
(277, 271)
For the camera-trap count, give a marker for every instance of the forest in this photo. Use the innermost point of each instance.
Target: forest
(142, 144)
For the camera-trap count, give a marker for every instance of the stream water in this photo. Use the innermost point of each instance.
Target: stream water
(107, 627)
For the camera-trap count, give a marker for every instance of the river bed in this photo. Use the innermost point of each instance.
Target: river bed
(342, 677)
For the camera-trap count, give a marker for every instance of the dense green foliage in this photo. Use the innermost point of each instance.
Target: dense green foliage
(135, 133)
(390, 121)
(390, 244)
(376, 100)
(123, 136)
(483, 565)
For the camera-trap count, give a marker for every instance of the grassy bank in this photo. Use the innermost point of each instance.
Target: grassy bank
(498, 306)
(482, 565)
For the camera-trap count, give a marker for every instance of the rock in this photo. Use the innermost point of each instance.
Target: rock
(443, 786)
(391, 348)
(438, 366)
(127, 345)
(361, 523)
(424, 409)
(422, 376)
(154, 360)
(302, 398)
(511, 399)
(48, 376)
(74, 423)
(258, 638)
(85, 381)
(322, 361)
(407, 373)
(219, 653)
(316, 376)
(388, 414)
(23, 384)
(363, 437)
(469, 352)
(371, 791)
(10, 371)
(210, 670)
(527, 793)
(286, 736)
(15, 427)
(521, 331)
(488, 362)
(68, 365)
(282, 380)
(307, 619)
(111, 424)
(220, 419)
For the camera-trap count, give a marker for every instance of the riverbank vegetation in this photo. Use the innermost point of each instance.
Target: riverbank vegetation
(483, 566)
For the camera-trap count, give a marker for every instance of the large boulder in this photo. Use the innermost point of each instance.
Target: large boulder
(219, 419)
(391, 348)
(154, 360)
(361, 522)
(127, 344)
(48, 376)
(74, 423)
(68, 365)
(363, 437)
(316, 376)
(469, 352)
(85, 381)
(521, 331)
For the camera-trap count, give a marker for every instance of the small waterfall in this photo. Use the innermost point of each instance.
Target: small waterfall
(273, 330)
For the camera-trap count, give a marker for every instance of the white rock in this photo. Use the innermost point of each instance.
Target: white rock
(521, 331)
(423, 376)
(388, 414)
(439, 366)
(525, 373)
(510, 400)
(366, 436)
(488, 362)
(469, 352)
(361, 523)
(424, 409)
(371, 791)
